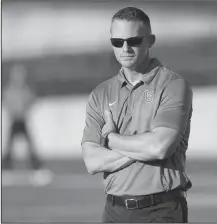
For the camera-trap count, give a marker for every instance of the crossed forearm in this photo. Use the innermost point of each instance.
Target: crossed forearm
(100, 159)
(141, 147)
(114, 161)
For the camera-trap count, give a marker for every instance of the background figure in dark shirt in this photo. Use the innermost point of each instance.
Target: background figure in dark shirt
(18, 99)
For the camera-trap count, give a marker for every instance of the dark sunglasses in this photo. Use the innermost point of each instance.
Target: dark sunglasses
(132, 41)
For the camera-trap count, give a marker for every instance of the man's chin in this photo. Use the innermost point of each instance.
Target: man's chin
(127, 64)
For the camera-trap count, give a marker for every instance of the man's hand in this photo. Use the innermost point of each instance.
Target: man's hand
(109, 125)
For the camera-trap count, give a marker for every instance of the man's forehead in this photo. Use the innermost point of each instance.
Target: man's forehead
(124, 28)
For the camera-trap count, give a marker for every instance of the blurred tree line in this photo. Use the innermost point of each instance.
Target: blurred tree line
(81, 73)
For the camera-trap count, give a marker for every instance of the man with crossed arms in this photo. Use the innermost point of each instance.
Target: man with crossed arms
(137, 130)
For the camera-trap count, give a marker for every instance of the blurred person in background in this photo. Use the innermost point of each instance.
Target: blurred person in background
(137, 130)
(18, 99)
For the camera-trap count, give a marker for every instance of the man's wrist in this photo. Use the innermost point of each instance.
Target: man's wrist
(109, 137)
(105, 140)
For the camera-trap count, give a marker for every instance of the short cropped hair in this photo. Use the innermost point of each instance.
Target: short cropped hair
(133, 14)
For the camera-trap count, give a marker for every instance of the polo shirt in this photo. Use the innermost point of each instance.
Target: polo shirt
(161, 99)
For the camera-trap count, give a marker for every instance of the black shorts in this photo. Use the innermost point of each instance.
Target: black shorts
(18, 127)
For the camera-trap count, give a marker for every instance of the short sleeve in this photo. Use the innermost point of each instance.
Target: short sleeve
(93, 122)
(175, 106)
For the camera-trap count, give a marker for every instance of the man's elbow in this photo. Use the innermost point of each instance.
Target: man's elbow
(161, 155)
(165, 151)
(91, 167)
(165, 143)
(155, 152)
(90, 162)
(91, 171)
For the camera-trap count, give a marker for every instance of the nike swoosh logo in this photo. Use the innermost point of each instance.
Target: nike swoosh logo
(110, 104)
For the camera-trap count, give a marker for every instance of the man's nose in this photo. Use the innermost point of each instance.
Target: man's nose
(125, 46)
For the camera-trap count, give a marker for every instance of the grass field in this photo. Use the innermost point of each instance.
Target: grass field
(76, 196)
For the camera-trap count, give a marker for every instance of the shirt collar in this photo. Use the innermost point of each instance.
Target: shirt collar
(148, 75)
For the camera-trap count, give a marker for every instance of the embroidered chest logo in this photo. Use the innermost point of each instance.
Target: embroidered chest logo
(149, 96)
(111, 104)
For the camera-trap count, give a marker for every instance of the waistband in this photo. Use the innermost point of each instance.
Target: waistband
(137, 202)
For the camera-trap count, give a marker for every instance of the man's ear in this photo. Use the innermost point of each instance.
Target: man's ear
(152, 40)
